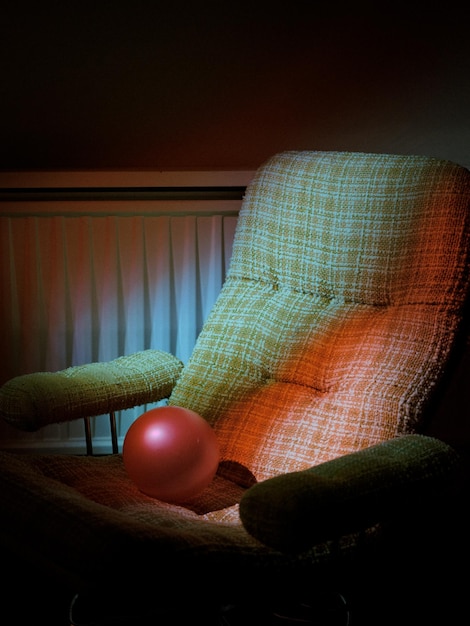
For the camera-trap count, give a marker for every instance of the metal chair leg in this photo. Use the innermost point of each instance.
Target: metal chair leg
(88, 439)
(114, 439)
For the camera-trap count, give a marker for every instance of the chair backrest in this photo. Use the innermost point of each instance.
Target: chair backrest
(339, 312)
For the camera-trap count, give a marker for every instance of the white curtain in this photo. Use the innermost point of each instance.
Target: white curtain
(82, 289)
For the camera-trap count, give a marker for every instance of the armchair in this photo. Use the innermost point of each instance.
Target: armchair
(330, 344)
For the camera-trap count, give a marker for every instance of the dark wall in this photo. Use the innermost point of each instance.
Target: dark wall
(153, 85)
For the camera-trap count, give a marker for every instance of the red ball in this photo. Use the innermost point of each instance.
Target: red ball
(171, 453)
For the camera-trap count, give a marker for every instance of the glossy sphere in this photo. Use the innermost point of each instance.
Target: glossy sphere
(171, 453)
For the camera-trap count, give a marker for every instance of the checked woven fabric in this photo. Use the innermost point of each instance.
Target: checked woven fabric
(342, 301)
(32, 401)
(341, 307)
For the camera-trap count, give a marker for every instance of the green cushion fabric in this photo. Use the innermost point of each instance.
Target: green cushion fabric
(393, 479)
(84, 517)
(34, 400)
(86, 520)
(341, 306)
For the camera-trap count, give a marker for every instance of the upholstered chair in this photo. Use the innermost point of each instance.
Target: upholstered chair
(319, 367)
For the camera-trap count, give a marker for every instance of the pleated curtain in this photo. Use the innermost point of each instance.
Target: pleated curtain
(78, 289)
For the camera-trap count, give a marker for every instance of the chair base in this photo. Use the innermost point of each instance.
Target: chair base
(325, 610)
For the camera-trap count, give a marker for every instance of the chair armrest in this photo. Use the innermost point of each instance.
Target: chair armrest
(293, 512)
(32, 401)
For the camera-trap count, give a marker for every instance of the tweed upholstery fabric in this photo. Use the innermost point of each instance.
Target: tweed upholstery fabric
(85, 516)
(395, 479)
(341, 307)
(342, 302)
(34, 400)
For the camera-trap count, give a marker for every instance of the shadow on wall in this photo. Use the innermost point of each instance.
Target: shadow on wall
(149, 86)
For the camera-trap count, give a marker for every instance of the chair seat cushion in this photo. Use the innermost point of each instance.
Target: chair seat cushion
(104, 480)
(111, 525)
